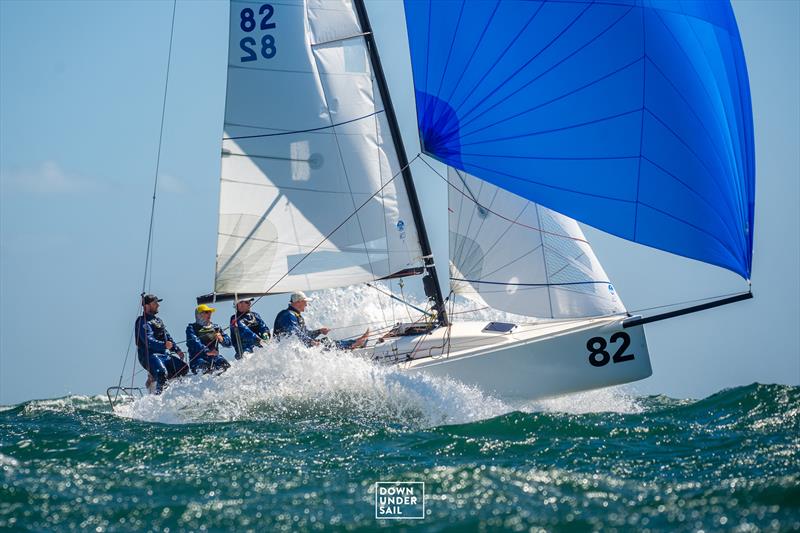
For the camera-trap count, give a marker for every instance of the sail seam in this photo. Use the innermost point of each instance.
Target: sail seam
(293, 132)
(497, 62)
(344, 164)
(641, 127)
(463, 125)
(436, 125)
(339, 39)
(502, 216)
(550, 69)
(334, 230)
(544, 259)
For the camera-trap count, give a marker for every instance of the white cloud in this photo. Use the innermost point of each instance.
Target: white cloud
(47, 177)
(170, 183)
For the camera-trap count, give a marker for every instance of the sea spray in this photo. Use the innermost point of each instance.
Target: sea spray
(287, 380)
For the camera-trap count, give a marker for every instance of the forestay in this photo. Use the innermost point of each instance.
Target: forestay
(517, 256)
(631, 116)
(306, 145)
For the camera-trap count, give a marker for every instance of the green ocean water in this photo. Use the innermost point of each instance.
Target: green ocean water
(306, 457)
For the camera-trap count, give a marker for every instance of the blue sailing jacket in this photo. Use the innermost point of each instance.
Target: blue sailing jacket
(152, 336)
(248, 330)
(290, 322)
(202, 339)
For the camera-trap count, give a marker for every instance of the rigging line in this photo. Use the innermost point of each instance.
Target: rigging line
(309, 130)
(158, 155)
(350, 189)
(334, 230)
(393, 297)
(127, 355)
(504, 283)
(148, 253)
(540, 230)
(471, 310)
(683, 302)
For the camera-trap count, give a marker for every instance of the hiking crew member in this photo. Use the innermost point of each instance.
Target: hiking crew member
(153, 342)
(248, 330)
(290, 322)
(203, 339)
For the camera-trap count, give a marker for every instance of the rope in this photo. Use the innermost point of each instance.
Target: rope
(683, 302)
(158, 154)
(148, 266)
(334, 230)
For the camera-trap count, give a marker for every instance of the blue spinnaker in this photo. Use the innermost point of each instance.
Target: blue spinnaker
(631, 116)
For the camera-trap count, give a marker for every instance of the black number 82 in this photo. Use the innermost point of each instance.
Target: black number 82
(598, 356)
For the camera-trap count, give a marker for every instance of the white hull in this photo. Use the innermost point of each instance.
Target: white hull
(530, 362)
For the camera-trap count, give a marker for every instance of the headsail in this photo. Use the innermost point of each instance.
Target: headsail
(308, 198)
(631, 116)
(520, 257)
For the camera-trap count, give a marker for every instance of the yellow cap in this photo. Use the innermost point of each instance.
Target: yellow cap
(202, 308)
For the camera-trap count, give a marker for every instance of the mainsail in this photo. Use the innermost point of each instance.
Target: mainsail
(520, 257)
(311, 195)
(631, 116)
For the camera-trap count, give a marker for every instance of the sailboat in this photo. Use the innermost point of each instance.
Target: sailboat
(632, 117)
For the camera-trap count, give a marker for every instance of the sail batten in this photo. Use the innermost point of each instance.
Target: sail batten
(632, 117)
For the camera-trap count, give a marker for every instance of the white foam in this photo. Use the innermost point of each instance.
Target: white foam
(609, 400)
(289, 381)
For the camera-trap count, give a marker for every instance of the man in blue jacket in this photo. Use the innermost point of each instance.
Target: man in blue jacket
(153, 344)
(203, 339)
(290, 322)
(248, 330)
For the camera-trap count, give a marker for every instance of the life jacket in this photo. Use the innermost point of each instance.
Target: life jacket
(301, 323)
(158, 327)
(207, 335)
(249, 321)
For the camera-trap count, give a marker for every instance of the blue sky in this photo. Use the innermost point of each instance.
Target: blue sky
(81, 88)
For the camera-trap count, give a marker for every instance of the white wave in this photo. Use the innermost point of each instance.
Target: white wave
(288, 381)
(609, 400)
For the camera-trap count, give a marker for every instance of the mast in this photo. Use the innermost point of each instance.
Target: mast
(430, 282)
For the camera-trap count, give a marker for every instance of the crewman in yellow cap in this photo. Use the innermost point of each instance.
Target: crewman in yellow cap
(203, 339)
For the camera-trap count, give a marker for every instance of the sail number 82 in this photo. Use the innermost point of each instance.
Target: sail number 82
(248, 24)
(598, 356)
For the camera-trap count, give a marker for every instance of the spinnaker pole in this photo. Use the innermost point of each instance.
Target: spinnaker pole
(433, 289)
